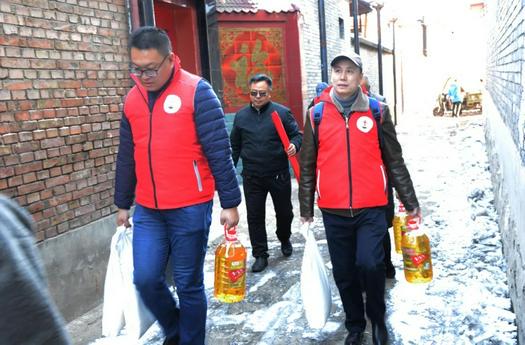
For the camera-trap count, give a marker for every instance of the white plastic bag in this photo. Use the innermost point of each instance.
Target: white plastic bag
(122, 303)
(112, 310)
(315, 287)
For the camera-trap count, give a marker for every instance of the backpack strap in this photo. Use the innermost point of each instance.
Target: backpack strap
(317, 114)
(377, 112)
(375, 107)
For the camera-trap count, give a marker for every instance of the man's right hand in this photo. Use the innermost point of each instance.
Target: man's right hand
(123, 218)
(307, 220)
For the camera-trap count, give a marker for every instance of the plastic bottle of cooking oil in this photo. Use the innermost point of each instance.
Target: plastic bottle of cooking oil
(230, 269)
(399, 224)
(416, 254)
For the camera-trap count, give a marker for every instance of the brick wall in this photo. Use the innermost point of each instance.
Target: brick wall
(62, 77)
(504, 75)
(505, 131)
(310, 44)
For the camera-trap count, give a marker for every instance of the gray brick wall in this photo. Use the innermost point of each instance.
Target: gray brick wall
(505, 132)
(505, 64)
(310, 45)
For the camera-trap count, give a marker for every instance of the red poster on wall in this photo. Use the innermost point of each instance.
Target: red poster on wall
(246, 52)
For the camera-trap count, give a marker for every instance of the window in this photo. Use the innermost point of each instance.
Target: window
(341, 28)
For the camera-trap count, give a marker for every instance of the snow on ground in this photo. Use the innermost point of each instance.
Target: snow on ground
(466, 303)
(468, 300)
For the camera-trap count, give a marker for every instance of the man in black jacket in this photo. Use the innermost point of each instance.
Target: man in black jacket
(254, 138)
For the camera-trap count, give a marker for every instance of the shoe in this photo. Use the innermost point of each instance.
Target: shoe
(390, 271)
(260, 264)
(286, 248)
(379, 334)
(354, 338)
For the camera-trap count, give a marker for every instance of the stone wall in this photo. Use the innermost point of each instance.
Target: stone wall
(505, 132)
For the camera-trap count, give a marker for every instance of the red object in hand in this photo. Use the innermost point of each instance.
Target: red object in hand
(286, 143)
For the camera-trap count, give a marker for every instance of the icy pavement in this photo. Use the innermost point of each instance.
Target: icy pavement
(466, 303)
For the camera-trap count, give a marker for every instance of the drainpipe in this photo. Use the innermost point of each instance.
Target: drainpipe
(379, 48)
(355, 12)
(394, 63)
(322, 38)
(148, 12)
(133, 15)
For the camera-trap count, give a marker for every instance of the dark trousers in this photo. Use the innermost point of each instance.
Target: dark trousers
(182, 234)
(256, 189)
(356, 251)
(387, 247)
(456, 108)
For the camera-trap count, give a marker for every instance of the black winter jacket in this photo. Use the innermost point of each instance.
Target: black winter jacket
(255, 139)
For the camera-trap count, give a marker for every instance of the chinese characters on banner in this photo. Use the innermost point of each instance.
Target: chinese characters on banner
(246, 52)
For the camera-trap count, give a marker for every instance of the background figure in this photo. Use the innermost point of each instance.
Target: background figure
(27, 313)
(318, 89)
(454, 94)
(173, 164)
(254, 138)
(365, 83)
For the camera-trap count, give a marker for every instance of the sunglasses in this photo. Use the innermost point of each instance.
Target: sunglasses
(256, 93)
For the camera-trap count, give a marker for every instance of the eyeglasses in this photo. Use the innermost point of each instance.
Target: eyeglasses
(257, 93)
(148, 73)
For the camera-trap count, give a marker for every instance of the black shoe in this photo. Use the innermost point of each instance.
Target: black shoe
(354, 338)
(379, 334)
(260, 264)
(286, 248)
(390, 271)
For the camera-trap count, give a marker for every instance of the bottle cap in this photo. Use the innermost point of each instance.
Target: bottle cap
(412, 224)
(230, 234)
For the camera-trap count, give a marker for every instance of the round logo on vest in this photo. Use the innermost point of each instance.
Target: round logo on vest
(172, 104)
(365, 124)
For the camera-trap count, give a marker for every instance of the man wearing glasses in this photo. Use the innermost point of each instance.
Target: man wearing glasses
(254, 138)
(173, 153)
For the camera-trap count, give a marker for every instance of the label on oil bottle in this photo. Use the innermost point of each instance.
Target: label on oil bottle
(236, 270)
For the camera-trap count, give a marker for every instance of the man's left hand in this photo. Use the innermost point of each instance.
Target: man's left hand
(230, 217)
(291, 150)
(416, 214)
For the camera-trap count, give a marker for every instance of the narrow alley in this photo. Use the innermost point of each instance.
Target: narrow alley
(466, 303)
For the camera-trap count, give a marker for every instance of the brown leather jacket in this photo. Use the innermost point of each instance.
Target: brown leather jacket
(391, 153)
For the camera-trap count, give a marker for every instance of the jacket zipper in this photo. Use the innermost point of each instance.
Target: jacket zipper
(150, 161)
(197, 175)
(348, 159)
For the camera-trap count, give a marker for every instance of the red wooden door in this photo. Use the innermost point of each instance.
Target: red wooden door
(180, 22)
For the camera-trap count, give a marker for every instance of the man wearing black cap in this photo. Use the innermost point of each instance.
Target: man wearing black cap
(346, 162)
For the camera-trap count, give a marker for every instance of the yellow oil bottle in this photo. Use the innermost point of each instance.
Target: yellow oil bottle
(230, 269)
(399, 224)
(416, 254)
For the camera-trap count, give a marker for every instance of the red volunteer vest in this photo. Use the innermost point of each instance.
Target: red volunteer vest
(172, 170)
(350, 170)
